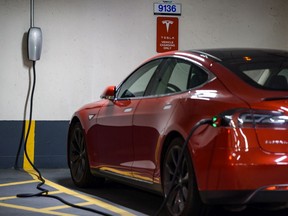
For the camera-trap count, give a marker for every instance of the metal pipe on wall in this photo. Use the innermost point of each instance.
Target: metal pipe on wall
(31, 13)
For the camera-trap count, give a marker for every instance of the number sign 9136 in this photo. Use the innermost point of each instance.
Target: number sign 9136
(167, 8)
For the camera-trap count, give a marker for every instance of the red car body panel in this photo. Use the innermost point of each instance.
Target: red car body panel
(129, 136)
(120, 125)
(149, 123)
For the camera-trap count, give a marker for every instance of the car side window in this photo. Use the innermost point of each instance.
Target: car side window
(284, 72)
(136, 84)
(180, 75)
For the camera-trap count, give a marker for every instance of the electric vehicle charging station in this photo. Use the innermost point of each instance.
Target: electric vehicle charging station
(34, 43)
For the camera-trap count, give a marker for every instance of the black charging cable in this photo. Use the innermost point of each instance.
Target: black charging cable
(44, 192)
(183, 149)
(26, 140)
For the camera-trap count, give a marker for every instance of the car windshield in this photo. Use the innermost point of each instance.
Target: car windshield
(265, 69)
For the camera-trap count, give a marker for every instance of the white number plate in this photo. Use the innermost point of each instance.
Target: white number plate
(167, 9)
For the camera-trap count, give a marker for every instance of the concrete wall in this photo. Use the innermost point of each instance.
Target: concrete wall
(89, 44)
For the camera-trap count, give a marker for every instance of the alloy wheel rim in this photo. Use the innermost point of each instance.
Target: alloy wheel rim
(179, 190)
(77, 155)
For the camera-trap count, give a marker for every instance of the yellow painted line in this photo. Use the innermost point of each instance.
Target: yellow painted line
(7, 198)
(17, 183)
(25, 208)
(33, 174)
(29, 145)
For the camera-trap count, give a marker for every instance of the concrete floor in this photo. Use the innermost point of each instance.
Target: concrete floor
(112, 198)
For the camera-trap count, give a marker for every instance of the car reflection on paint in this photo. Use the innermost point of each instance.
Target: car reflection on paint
(135, 133)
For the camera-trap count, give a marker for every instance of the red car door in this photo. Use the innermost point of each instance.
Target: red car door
(150, 120)
(153, 113)
(114, 136)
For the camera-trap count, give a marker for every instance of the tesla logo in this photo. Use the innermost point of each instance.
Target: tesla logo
(167, 23)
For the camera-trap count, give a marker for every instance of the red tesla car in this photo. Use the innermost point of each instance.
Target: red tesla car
(140, 132)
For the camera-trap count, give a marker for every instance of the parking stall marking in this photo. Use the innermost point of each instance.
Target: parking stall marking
(31, 209)
(17, 183)
(52, 210)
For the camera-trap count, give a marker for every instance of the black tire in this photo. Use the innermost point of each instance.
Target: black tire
(184, 197)
(78, 159)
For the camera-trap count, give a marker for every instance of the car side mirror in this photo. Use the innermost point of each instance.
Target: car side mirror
(109, 93)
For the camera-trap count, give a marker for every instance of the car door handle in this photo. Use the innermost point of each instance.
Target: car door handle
(128, 110)
(167, 106)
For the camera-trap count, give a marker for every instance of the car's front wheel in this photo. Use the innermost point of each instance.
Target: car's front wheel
(183, 198)
(78, 159)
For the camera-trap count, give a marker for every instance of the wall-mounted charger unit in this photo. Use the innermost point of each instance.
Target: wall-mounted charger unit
(34, 43)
